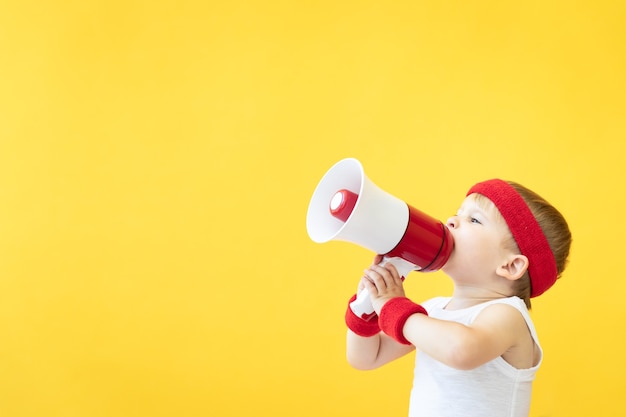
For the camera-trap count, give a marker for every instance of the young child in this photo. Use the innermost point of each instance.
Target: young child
(477, 351)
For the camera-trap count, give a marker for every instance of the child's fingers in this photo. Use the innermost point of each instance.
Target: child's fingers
(375, 276)
(389, 274)
(382, 276)
(392, 270)
(369, 285)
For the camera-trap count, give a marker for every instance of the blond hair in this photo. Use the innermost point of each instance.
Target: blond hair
(555, 229)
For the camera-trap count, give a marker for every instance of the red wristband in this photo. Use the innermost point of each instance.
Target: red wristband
(394, 315)
(364, 328)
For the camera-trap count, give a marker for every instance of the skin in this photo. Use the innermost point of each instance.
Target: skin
(481, 269)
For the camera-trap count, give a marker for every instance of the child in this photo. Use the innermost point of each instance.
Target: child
(477, 350)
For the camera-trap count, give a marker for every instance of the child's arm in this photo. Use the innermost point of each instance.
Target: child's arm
(367, 353)
(498, 330)
(372, 348)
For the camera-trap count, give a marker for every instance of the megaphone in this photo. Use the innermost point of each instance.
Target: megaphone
(347, 206)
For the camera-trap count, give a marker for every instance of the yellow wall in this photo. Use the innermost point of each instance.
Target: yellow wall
(157, 159)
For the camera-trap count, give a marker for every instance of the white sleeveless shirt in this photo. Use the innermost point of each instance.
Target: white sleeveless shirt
(494, 389)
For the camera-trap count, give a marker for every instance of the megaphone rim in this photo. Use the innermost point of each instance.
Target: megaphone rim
(330, 172)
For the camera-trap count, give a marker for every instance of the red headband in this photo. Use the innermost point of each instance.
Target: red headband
(528, 235)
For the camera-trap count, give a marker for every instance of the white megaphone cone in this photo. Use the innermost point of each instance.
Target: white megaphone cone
(347, 206)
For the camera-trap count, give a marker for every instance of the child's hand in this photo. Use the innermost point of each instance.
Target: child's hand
(383, 283)
(377, 259)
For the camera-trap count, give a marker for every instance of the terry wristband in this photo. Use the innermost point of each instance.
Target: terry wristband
(364, 328)
(394, 315)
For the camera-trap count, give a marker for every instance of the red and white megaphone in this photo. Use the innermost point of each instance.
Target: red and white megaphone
(347, 206)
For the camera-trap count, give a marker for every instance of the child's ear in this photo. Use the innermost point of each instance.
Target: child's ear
(513, 267)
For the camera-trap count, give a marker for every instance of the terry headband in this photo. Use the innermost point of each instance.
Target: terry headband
(528, 235)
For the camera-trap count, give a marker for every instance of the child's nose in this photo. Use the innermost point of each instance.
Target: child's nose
(452, 222)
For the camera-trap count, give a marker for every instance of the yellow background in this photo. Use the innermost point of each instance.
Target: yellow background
(157, 159)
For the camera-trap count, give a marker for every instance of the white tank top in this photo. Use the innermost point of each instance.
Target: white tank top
(494, 389)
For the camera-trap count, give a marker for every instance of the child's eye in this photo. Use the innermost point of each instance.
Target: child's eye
(474, 220)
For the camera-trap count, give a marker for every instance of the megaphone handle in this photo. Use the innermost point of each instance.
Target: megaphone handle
(403, 266)
(362, 306)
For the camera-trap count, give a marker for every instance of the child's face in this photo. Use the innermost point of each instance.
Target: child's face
(480, 234)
